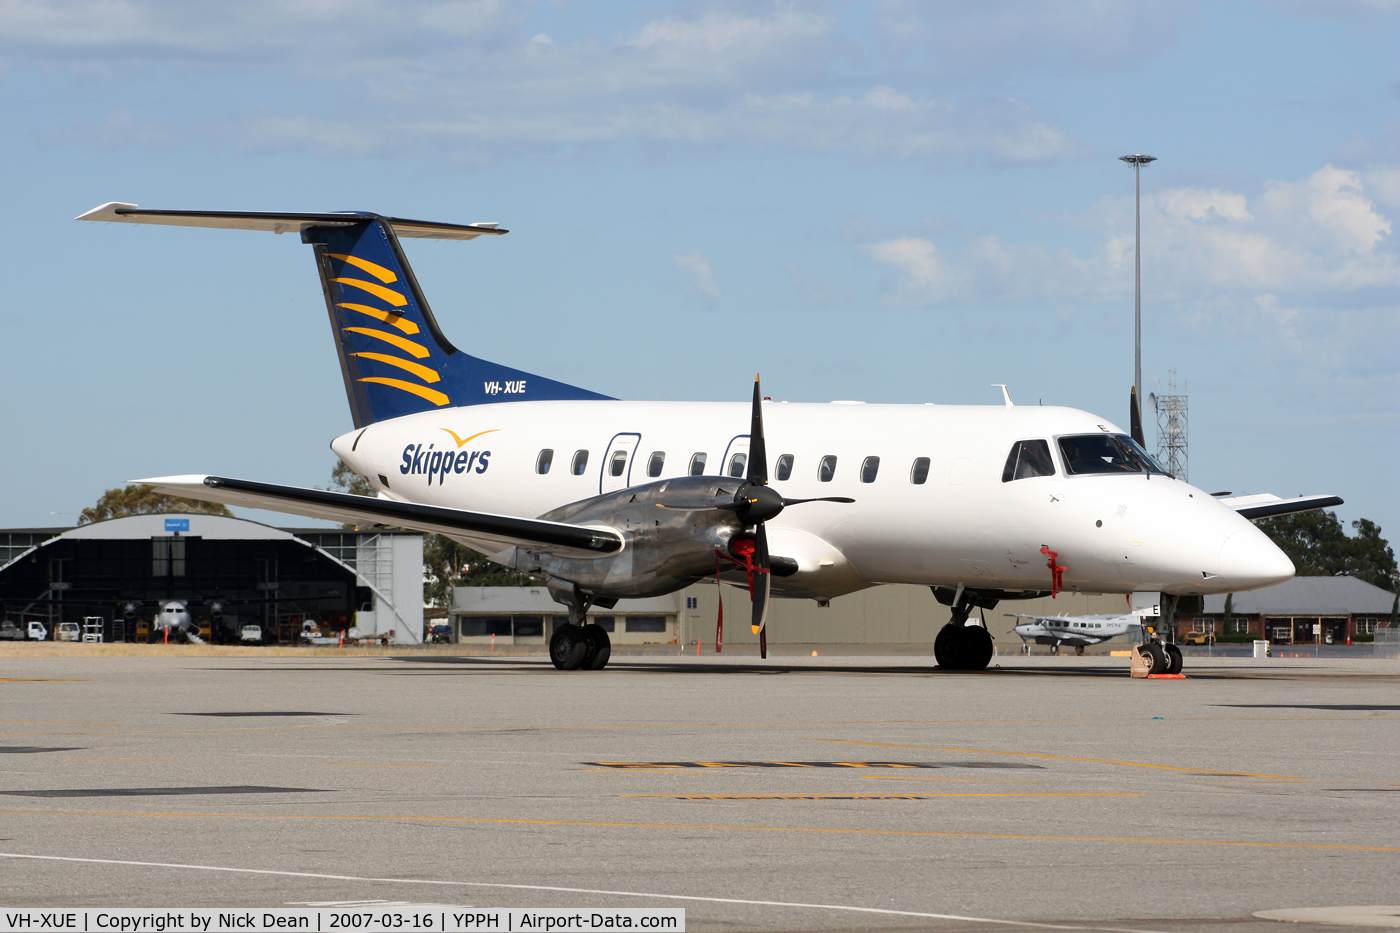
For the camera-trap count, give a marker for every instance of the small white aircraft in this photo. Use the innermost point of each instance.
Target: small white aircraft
(1078, 632)
(173, 620)
(610, 499)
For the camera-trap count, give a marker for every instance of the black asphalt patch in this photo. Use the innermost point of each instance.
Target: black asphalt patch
(1335, 707)
(159, 791)
(33, 749)
(266, 713)
(654, 765)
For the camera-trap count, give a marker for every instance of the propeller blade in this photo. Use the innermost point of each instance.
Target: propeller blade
(763, 582)
(842, 499)
(1135, 418)
(758, 451)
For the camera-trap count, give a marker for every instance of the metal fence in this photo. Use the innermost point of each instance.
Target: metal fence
(1387, 644)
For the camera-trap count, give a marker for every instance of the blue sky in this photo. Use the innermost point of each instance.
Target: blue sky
(897, 202)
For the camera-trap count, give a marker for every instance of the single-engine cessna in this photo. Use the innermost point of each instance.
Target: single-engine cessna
(1077, 632)
(610, 499)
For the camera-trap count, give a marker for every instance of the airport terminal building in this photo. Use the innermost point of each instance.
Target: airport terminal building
(112, 578)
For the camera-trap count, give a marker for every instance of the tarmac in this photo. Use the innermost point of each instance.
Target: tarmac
(796, 793)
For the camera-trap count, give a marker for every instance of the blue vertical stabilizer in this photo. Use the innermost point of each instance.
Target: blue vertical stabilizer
(395, 359)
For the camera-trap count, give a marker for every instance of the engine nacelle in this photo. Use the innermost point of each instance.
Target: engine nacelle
(670, 530)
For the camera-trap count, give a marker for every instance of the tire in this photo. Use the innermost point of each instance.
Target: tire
(1174, 659)
(977, 648)
(1079, 651)
(947, 647)
(599, 648)
(1158, 656)
(567, 647)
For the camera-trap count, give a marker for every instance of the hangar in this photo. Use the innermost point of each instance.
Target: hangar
(230, 572)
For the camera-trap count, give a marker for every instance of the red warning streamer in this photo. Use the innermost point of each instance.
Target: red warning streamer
(1056, 571)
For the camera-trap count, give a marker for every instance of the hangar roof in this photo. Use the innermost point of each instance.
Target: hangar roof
(1309, 596)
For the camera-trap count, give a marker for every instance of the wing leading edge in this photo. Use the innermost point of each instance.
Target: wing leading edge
(341, 507)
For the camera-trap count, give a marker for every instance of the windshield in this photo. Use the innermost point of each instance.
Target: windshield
(1106, 453)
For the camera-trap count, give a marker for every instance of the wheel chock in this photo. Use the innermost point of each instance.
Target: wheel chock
(1166, 676)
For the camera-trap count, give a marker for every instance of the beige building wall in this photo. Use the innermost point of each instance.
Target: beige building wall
(881, 615)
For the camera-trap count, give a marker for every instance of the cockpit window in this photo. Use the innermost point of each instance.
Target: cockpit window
(1106, 453)
(1027, 459)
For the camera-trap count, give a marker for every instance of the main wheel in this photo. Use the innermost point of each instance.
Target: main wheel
(568, 647)
(977, 648)
(948, 647)
(1174, 660)
(599, 647)
(1158, 656)
(1079, 650)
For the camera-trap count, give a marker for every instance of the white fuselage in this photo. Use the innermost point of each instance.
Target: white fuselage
(962, 526)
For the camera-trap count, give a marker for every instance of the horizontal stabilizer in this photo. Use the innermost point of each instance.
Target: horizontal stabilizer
(340, 507)
(285, 221)
(1267, 505)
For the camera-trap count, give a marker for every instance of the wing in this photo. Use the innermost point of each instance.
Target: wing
(1267, 505)
(560, 537)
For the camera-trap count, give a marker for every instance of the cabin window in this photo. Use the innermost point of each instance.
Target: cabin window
(657, 461)
(618, 463)
(544, 461)
(580, 462)
(784, 467)
(826, 470)
(737, 464)
(697, 464)
(1027, 459)
(918, 473)
(869, 469)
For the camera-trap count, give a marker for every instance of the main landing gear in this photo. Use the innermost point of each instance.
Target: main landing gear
(1166, 659)
(577, 645)
(580, 647)
(958, 645)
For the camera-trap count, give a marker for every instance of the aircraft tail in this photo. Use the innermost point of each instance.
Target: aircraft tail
(395, 359)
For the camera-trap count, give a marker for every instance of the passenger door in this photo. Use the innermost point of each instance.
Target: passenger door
(616, 469)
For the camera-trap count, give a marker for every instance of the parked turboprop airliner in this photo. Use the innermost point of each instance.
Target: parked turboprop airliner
(610, 499)
(1081, 631)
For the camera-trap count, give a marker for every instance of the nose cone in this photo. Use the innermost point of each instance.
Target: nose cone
(1249, 560)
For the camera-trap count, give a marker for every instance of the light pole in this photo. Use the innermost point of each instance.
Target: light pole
(1137, 162)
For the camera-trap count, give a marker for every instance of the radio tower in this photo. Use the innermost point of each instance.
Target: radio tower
(1171, 429)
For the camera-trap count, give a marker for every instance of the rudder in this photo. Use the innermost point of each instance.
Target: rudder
(394, 358)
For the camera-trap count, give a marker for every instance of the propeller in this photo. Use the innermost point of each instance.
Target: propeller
(754, 503)
(1135, 418)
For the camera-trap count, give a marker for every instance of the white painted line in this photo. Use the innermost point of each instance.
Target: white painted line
(546, 887)
(1380, 916)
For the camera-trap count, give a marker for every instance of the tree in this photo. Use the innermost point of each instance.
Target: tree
(445, 562)
(144, 500)
(1319, 546)
(450, 564)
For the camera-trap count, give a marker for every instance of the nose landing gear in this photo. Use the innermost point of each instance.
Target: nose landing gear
(958, 645)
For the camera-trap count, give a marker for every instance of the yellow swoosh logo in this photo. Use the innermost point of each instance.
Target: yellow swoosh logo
(462, 440)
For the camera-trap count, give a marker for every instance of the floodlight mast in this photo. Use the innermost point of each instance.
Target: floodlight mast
(1137, 162)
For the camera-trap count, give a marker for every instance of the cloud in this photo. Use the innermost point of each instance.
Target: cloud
(992, 37)
(1307, 268)
(474, 80)
(701, 277)
(1323, 235)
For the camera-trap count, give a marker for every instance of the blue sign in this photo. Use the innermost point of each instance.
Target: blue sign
(177, 524)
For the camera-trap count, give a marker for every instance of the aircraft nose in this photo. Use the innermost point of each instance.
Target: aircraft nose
(1249, 559)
